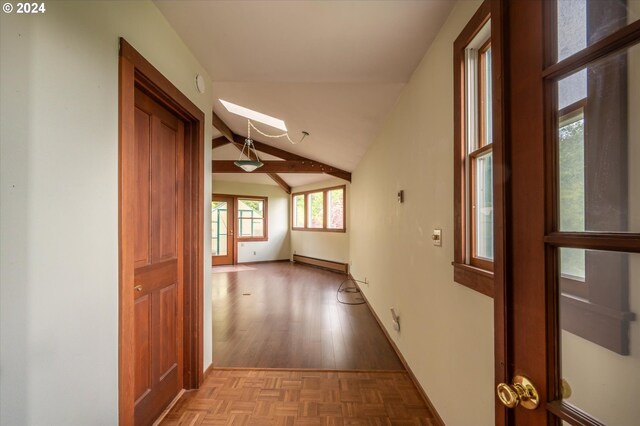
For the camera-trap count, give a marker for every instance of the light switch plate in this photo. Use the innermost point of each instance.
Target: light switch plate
(437, 237)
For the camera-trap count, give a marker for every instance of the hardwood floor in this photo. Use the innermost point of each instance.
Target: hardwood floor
(272, 397)
(284, 315)
(283, 324)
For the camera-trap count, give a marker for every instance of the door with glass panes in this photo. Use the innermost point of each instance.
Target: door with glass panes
(567, 332)
(222, 230)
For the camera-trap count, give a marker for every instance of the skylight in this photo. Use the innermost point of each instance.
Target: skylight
(254, 115)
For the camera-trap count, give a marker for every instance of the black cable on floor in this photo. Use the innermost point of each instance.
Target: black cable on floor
(350, 289)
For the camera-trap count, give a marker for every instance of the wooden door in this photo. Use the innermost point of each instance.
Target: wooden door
(158, 248)
(569, 283)
(223, 230)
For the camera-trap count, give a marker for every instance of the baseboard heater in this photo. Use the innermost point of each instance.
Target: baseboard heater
(342, 268)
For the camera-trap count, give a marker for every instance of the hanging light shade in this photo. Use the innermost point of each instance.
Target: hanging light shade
(248, 164)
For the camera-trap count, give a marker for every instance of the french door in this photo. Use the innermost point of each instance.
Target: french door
(222, 230)
(568, 213)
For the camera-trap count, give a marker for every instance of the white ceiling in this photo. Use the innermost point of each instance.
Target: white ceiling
(332, 68)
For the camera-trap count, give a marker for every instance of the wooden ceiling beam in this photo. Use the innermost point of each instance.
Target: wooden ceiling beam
(268, 149)
(281, 183)
(286, 155)
(311, 165)
(222, 127)
(219, 141)
(287, 166)
(228, 137)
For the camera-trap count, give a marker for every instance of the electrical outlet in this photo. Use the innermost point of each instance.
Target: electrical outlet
(254, 253)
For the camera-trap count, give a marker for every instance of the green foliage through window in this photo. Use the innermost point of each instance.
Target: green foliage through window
(323, 209)
(571, 191)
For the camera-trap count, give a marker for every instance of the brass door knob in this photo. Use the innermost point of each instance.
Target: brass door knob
(521, 392)
(138, 288)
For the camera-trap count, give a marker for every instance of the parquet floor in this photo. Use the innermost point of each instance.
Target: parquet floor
(285, 397)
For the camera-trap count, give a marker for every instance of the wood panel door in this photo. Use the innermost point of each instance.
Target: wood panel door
(158, 248)
(567, 293)
(223, 230)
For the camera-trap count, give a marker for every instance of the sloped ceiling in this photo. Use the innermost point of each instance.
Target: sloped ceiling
(332, 68)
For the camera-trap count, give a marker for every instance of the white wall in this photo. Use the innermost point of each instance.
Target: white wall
(59, 203)
(323, 245)
(278, 246)
(447, 329)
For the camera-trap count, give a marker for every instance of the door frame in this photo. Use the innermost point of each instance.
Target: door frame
(135, 71)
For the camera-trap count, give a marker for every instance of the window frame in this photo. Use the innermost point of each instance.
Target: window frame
(474, 259)
(572, 286)
(265, 217)
(307, 211)
(325, 197)
(469, 270)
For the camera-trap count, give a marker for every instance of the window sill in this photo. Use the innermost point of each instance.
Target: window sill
(599, 324)
(250, 239)
(476, 279)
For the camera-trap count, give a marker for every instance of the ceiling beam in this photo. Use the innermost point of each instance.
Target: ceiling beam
(271, 150)
(222, 127)
(277, 179)
(219, 141)
(316, 166)
(228, 137)
(286, 155)
(287, 166)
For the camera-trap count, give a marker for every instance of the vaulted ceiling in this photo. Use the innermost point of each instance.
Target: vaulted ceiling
(332, 68)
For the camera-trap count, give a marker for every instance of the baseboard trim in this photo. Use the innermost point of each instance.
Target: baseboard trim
(307, 370)
(413, 377)
(206, 373)
(329, 265)
(257, 262)
(169, 407)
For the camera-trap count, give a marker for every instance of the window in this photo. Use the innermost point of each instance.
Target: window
(571, 194)
(319, 210)
(315, 211)
(252, 219)
(474, 245)
(298, 211)
(335, 208)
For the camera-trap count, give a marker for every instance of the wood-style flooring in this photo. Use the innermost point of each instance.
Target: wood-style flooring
(272, 397)
(285, 315)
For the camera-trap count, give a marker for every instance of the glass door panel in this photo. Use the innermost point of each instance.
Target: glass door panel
(222, 230)
(219, 211)
(581, 23)
(598, 145)
(600, 338)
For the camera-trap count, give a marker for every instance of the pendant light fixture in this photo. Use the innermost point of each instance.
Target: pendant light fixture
(248, 165)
